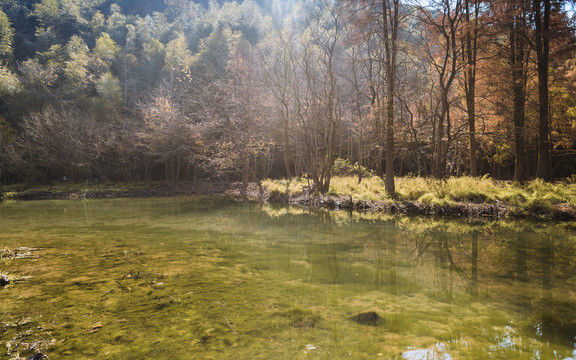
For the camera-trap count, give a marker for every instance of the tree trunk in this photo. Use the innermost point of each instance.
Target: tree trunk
(390, 186)
(439, 153)
(245, 175)
(391, 49)
(286, 150)
(472, 140)
(470, 82)
(517, 55)
(542, 54)
(379, 140)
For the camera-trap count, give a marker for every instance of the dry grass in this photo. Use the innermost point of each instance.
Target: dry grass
(294, 186)
(371, 188)
(535, 195)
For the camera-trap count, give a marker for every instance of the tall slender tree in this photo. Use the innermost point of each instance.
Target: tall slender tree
(390, 20)
(472, 12)
(541, 16)
(381, 20)
(518, 55)
(323, 110)
(445, 52)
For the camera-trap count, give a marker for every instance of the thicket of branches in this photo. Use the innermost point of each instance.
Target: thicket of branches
(178, 90)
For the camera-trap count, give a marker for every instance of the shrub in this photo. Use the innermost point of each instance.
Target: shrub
(343, 167)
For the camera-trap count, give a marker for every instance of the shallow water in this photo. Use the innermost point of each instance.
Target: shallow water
(209, 278)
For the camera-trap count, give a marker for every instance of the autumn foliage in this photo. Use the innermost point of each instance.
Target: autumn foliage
(182, 91)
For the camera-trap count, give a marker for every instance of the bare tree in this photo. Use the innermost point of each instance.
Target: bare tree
(279, 71)
(58, 143)
(444, 54)
(168, 133)
(470, 45)
(379, 22)
(314, 101)
(390, 21)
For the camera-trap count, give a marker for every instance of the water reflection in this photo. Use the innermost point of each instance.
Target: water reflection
(474, 266)
(516, 271)
(521, 244)
(221, 279)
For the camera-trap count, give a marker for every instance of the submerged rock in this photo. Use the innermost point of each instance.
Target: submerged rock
(38, 356)
(278, 197)
(309, 348)
(369, 318)
(19, 253)
(4, 280)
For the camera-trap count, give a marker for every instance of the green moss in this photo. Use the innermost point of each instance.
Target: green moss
(300, 318)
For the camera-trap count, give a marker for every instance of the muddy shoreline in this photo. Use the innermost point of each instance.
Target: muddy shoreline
(497, 210)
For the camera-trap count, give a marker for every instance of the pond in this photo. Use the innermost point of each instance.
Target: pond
(211, 278)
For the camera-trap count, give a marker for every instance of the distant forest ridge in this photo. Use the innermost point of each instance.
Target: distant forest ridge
(143, 90)
(75, 15)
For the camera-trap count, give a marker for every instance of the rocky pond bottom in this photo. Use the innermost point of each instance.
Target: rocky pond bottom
(210, 278)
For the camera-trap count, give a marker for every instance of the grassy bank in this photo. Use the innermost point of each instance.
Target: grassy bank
(456, 197)
(530, 198)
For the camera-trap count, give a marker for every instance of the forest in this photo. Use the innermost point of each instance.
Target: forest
(177, 90)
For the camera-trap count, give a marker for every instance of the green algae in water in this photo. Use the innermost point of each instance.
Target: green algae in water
(198, 278)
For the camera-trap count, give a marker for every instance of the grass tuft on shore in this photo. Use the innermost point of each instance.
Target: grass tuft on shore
(289, 187)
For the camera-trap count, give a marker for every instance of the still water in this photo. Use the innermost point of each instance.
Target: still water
(209, 278)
